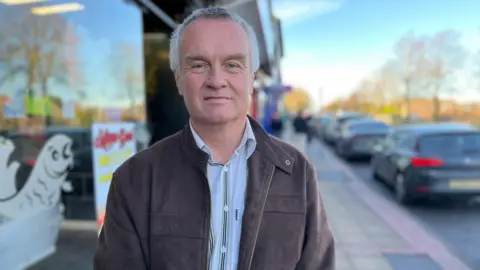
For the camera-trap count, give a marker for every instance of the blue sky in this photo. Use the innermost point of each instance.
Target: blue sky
(332, 44)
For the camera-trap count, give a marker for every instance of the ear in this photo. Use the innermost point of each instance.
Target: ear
(254, 74)
(177, 82)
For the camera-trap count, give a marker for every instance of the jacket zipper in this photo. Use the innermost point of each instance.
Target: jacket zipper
(261, 216)
(225, 220)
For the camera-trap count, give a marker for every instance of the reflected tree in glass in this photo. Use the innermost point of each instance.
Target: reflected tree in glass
(127, 67)
(40, 49)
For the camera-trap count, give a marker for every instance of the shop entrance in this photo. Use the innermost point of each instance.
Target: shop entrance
(165, 111)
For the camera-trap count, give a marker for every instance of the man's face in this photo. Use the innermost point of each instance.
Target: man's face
(215, 76)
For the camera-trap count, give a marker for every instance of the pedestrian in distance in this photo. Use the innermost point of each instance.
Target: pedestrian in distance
(221, 194)
(301, 131)
(276, 125)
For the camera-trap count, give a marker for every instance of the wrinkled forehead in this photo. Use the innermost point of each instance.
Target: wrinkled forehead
(214, 38)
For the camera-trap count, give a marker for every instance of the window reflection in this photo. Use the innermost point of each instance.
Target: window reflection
(63, 66)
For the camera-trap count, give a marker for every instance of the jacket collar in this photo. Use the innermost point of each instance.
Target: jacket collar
(265, 145)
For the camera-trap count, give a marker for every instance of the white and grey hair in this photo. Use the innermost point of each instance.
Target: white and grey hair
(215, 13)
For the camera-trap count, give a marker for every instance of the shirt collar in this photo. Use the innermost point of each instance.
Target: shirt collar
(248, 141)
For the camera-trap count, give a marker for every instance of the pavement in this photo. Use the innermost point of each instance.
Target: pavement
(455, 223)
(372, 232)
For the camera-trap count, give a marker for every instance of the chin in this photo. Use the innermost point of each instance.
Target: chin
(218, 119)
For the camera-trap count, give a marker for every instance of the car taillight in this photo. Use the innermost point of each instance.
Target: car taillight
(426, 162)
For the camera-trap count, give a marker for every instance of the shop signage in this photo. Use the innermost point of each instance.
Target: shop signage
(113, 144)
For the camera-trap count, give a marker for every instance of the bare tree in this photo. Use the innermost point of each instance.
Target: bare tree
(31, 45)
(410, 58)
(445, 55)
(386, 87)
(364, 93)
(476, 69)
(129, 71)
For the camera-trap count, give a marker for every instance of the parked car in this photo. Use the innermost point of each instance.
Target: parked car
(359, 136)
(318, 124)
(333, 131)
(437, 160)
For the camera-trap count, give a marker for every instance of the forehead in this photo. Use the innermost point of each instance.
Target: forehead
(214, 37)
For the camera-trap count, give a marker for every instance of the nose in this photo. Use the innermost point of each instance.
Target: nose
(216, 79)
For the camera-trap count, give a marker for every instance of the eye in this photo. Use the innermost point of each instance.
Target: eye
(55, 155)
(198, 67)
(233, 67)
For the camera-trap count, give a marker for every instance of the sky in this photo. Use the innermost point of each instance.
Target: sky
(332, 44)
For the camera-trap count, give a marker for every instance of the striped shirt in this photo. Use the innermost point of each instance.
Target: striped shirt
(227, 184)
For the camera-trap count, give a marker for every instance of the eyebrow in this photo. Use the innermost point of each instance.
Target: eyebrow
(194, 57)
(237, 56)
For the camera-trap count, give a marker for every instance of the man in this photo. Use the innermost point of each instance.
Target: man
(301, 131)
(222, 193)
(276, 125)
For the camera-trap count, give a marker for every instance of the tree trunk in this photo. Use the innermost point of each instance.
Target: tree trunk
(436, 107)
(407, 97)
(47, 106)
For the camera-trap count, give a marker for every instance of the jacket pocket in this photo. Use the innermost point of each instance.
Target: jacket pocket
(286, 204)
(176, 226)
(279, 243)
(176, 242)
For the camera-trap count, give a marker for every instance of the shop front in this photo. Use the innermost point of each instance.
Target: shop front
(83, 85)
(65, 67)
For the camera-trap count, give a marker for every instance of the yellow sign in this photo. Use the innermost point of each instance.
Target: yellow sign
(114, 158)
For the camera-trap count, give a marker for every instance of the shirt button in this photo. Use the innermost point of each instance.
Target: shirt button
(225, 208)
(223, 249)
(225, 168)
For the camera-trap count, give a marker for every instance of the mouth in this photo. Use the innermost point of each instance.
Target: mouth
(217, 99)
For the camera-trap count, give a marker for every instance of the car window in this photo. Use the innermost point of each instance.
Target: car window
(458, 145)
(364, 127)
(405, 140)
(402, 139)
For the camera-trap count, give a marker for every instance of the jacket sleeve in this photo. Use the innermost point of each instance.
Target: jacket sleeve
(318, 249)
(119, 244)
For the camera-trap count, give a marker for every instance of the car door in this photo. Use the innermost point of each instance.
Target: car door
(403, 143)
(382, 152)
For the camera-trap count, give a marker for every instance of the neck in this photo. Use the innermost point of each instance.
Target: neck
(223, 139)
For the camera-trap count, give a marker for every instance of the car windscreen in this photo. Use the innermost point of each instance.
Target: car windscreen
(344, 119)
(368, 127)
(450, 145)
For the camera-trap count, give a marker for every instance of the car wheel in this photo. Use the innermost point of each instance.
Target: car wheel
(339, 151)
(401, 194)
(373, 167)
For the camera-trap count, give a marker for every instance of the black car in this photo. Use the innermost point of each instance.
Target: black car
(437, 160)
(359, 136)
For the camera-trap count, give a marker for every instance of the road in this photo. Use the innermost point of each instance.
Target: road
(456, 225)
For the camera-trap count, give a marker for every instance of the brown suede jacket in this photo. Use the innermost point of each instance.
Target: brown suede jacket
(158, 210)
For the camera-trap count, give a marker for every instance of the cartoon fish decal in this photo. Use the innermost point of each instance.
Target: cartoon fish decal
(43, 188)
